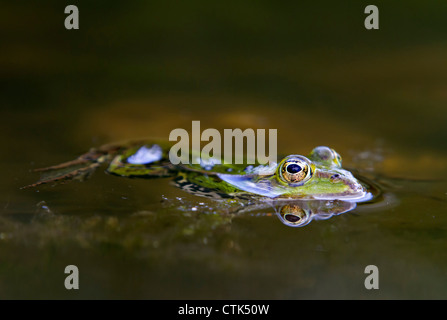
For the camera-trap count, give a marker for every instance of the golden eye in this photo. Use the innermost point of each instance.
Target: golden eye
(295, 169)
(294, 215)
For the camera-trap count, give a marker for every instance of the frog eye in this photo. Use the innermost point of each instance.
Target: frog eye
(294, 215)
(295, 169)
(326, 156)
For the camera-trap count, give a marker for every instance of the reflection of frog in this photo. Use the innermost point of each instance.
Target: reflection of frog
(316, 178)
(299, 213)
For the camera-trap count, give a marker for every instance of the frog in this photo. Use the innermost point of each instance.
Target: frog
(313, 183)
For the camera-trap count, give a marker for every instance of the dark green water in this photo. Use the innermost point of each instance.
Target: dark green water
(310, 70)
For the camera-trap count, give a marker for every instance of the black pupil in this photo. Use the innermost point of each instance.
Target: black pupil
(293, 168)
(292, 218)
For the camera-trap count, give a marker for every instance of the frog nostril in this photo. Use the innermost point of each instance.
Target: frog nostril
(335, 177)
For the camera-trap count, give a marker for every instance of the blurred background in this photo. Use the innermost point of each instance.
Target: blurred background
(143, 68)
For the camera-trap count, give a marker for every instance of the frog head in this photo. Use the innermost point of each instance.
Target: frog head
(318, 176)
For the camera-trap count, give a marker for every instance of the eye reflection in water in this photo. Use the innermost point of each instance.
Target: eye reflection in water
(301, 213)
